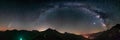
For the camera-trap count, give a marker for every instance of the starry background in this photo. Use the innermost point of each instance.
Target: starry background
(74, 16)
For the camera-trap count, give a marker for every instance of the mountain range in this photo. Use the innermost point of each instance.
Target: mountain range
(51, 34)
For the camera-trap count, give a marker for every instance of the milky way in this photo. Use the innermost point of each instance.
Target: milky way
(65, 16)
(70, 16)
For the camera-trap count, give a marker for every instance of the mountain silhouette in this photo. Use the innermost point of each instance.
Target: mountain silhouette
(111, 34)
(51, 34)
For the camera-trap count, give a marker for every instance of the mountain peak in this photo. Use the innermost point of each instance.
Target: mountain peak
(50, 30)
(117, 26)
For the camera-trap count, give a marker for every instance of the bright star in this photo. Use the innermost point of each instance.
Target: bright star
(98, 16)
(94, 23)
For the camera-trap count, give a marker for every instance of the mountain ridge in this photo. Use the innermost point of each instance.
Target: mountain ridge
(51, 34)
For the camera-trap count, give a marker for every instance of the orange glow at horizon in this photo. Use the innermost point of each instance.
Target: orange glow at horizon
(3, 28)
(43, 28)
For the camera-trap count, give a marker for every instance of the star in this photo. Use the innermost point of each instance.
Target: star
(94, 23)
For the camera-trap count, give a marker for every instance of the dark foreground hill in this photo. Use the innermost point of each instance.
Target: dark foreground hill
(48, 34)
(111, 34)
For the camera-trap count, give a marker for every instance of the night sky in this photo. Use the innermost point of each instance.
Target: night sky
(74, 16)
